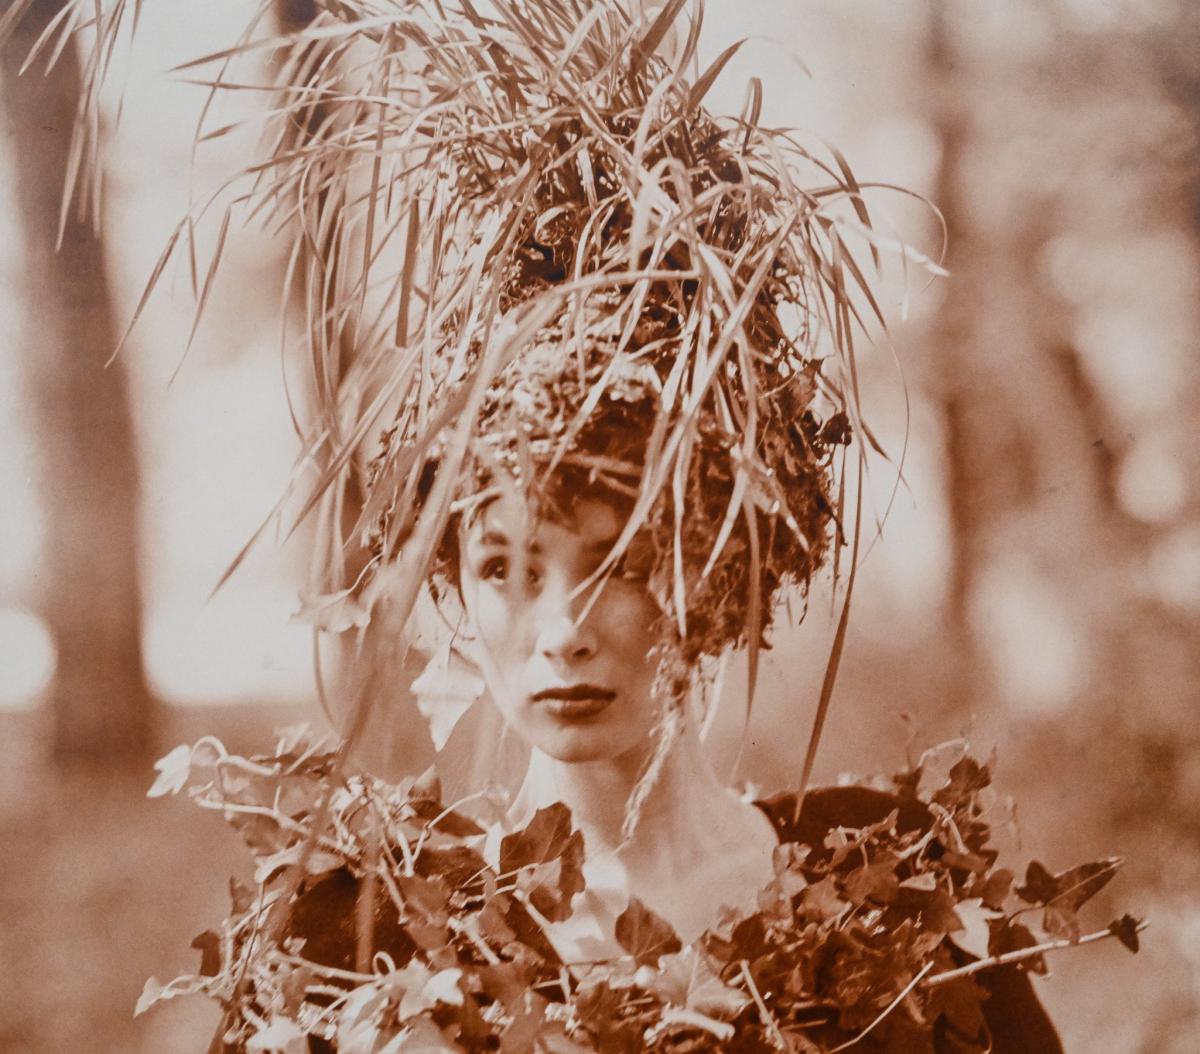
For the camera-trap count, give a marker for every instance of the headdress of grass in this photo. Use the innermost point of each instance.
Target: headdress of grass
(533, 199)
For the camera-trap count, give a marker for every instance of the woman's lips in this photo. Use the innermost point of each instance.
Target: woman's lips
(575, 702)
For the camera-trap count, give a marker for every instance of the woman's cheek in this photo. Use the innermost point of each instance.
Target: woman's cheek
(504, 630)
(631, 616)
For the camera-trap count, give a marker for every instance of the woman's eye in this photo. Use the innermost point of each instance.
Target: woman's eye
(494, 569)
(497, 570)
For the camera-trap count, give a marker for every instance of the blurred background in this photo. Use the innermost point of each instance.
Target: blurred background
(1036, 587)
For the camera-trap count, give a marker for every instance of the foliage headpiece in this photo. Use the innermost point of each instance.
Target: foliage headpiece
(528, 254)
(547, 258)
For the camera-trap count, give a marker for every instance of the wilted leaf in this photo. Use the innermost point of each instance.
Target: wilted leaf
(1039, 886)
(1069, 890)
(976, 931)
(173, 772)
(1062, 923)
(960, 1002)
(208, 944)
(1125, 929)
(545, 838)
(875, 881)
(645, 935)
(443, 987)
(995, 888)
(1079, 884)
(424, 1037)
(966, 777)
(151, 992)
(701, 989)
(281, 1036)
(821, 900)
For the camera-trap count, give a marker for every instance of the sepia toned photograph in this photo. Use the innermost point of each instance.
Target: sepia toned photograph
(568, 526)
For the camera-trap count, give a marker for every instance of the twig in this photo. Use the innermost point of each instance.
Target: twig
(887, 1010)
(777, 1040)
(328, 971)
(1021, 954)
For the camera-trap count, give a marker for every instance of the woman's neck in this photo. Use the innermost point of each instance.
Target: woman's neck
(680, 819)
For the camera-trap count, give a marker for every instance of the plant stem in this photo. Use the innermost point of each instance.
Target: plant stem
(1021, 954)
(777, 1040)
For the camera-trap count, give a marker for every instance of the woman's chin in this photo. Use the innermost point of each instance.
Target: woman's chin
(577, 744)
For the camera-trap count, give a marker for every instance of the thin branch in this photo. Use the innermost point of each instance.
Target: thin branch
(777, 1040)
(1021, 954)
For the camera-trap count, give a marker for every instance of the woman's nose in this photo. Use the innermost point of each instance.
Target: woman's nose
(561, 637)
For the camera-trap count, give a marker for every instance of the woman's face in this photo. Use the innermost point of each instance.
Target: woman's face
(575, 686)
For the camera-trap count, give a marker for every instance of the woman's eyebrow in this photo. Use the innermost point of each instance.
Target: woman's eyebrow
(498, 539)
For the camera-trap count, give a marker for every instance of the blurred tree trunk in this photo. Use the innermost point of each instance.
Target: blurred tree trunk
(100, 706)
(953, 339)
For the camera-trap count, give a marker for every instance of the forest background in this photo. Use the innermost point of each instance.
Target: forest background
(1036, 587)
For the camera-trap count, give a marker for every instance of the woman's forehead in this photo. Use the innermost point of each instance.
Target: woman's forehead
(512, 518)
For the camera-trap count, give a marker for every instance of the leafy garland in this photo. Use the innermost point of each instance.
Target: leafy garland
(376, 923)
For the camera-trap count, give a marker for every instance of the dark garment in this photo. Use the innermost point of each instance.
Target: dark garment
(1016, 1020)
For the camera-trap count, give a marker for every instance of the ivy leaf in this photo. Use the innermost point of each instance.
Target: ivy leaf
(528, 933)
(1039, 886)
(241, 897)
(1125, 929)
(976, 932)
(424, 1037)
(545, 838)
(317, 862)
(555, 884)
(875, 881)
(1061, 922)
(443, 987)
(295, 987)
(208, 944)
(645, 935)
(426, 787)
(173, 772)
(994, 889)
(960, 1002)
(520, 1034)
(821, 900)
(152, 992)
(599, 1009)
(966, 778)
(939, 914)
(1069, 890)
(448, 822)
(429, 896)
(687, 979)
(281, 1036)
(553, 1039)
(414, 979)
(1079, 884)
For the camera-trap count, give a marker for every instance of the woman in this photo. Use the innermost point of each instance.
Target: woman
(608, 339)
